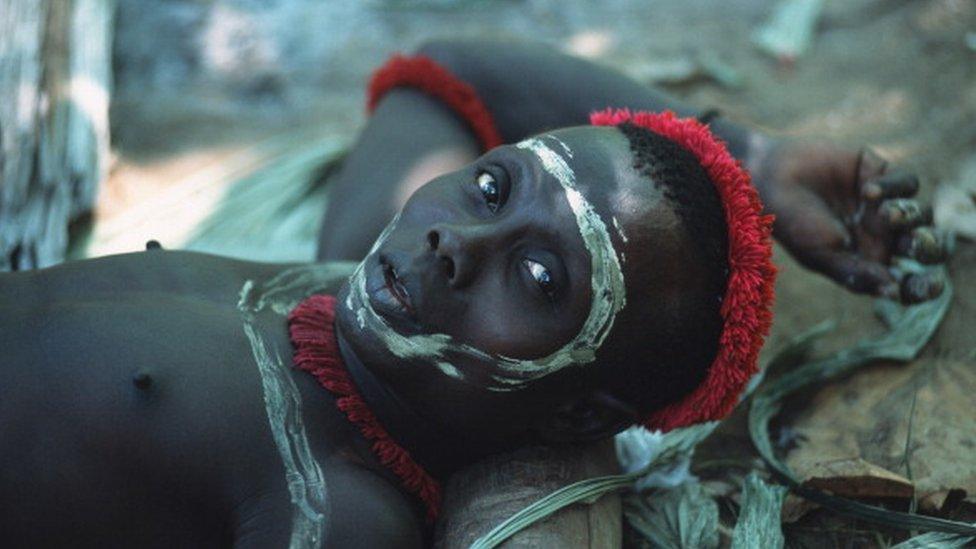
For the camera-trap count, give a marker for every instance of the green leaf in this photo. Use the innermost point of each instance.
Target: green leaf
(682, 518)
(759, 518)
(935, 540)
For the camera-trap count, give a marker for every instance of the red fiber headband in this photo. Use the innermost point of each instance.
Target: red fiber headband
(747, 306)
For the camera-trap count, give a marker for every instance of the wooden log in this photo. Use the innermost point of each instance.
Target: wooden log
(55, 81)
(481, 496)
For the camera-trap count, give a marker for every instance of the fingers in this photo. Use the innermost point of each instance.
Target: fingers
(892, 185)
(870, 166)
(869, 277)
(860, 275)
(919, 287)
(925, 245)
(901, 214)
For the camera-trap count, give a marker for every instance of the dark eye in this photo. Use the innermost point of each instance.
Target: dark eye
(541, 275)
(490, 191)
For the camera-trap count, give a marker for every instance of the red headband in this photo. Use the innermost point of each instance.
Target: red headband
(422, 73)
(747, 306)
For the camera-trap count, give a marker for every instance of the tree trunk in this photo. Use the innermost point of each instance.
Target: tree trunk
(55, 81)
(480, 497)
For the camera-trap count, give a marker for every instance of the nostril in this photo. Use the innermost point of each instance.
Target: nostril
(448, 267)
(433, 240)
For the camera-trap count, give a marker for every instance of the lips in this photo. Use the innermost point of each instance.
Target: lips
(396, 287)
(389, 296)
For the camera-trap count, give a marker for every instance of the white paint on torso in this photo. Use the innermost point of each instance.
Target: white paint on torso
(282, 400)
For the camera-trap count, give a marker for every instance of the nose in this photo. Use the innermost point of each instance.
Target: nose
(460, 251)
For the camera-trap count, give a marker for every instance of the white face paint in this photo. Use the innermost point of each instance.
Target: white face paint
(607, 286)
(622, 235)
(620, 230)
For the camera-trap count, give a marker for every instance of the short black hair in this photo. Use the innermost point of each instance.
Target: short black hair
(683, 346)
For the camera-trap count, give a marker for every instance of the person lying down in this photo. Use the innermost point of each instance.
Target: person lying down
(557, 289)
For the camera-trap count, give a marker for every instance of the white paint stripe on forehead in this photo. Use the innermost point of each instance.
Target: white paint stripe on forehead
(620, 230)
(607, 286)
(606, 279)
(566, 149)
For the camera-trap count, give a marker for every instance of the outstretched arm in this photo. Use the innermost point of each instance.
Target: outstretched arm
(839, 211)
(530, 88)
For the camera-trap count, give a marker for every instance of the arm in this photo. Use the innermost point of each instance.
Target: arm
(839, 211)
(410, 139)
(529, 88)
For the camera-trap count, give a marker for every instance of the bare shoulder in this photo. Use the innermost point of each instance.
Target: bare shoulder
(193, 274)
(190, 274)
(372, 512)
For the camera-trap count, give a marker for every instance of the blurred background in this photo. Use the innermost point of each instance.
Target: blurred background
(180, 86)
(209, 124)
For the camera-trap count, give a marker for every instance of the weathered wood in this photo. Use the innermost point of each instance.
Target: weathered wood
(55, 77)
(481, 496)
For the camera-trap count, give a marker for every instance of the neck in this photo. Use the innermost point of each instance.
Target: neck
(434, 447)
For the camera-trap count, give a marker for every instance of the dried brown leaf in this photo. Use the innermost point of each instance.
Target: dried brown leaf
(858, 479)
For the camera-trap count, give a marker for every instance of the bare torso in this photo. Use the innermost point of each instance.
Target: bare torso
(132, 413)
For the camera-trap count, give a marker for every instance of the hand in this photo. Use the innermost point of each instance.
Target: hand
(843, 213)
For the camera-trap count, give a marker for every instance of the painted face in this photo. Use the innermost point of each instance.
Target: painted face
(500, 278)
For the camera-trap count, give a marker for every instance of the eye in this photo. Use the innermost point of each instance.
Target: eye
(490, 191)
(541, 275)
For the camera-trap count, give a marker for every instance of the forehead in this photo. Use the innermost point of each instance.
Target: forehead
(644, 228)
(633, 208)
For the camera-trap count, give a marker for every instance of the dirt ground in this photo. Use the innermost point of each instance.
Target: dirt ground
(200, 82)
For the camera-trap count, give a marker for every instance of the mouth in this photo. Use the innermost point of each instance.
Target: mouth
(395, 286)
(389, 296)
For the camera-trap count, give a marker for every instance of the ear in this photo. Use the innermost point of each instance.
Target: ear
(594, 416)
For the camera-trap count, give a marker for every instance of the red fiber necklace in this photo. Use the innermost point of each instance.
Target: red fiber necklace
(310, 326)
